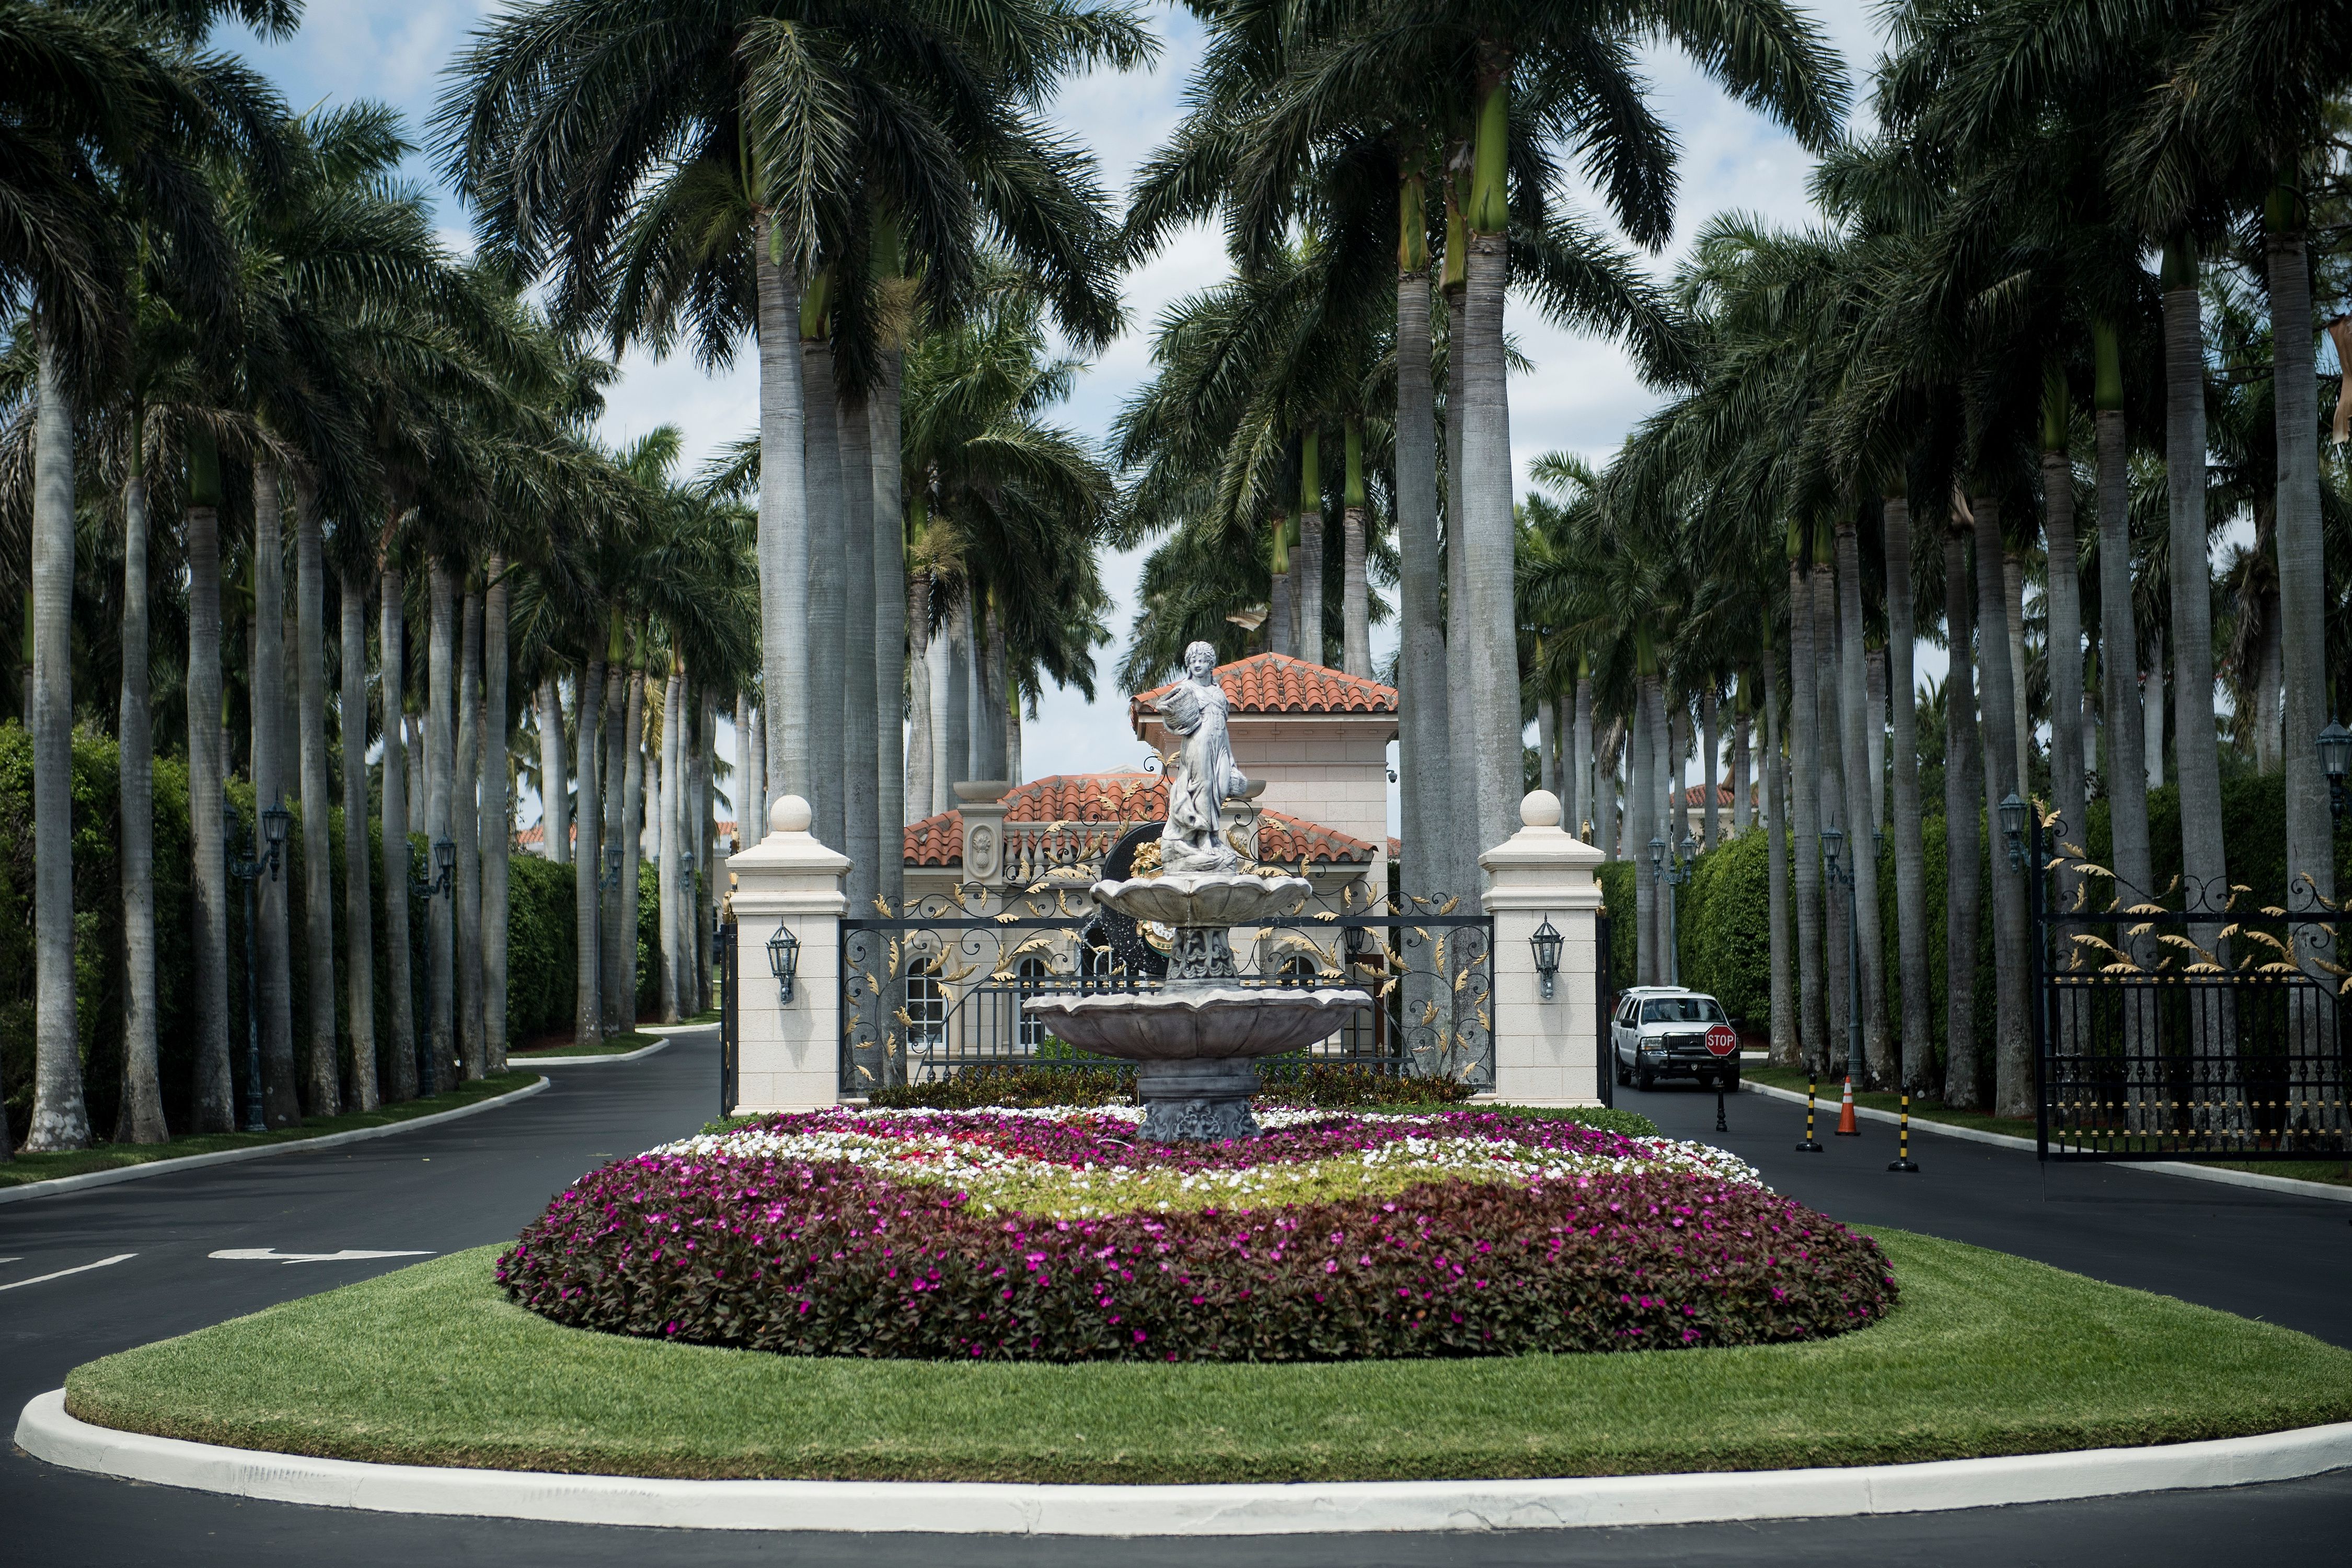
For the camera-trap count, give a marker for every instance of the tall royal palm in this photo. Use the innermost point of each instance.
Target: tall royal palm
(682, 169)
(1576, 60)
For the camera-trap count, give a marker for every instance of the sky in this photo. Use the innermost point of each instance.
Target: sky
(1583, 395)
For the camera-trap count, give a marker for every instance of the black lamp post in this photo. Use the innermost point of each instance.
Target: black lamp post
(783, 962)
(246, 866)
(612, 877)
(2335, 757)
(2012, 828)
(1544, 944)
(1834, 841)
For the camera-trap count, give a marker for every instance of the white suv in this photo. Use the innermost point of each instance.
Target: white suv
(1660, 1031)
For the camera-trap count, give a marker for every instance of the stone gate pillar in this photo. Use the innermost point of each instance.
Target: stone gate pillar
(1546, 1052)
(791, 1051)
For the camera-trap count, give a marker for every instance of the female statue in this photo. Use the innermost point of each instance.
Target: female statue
(1201, 777)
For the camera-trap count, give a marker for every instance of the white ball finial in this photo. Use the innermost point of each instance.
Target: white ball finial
(1539, 808)
(788, 813)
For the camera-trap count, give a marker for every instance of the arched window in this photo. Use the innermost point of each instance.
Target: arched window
(1297, 969)
(1029, 978)
(926, 1004)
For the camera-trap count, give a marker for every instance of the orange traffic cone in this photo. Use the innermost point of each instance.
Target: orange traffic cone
(1846, 1127)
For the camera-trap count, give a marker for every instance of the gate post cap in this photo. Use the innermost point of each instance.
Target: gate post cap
(1539, 808)
(790, 813)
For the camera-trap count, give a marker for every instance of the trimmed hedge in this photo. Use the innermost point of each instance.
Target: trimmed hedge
(822, 1258)
(540, 933)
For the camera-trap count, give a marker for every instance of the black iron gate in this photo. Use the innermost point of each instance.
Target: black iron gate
(2200, 1025)
(938, 990)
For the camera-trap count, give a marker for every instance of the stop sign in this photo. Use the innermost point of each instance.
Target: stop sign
(1722, 1041)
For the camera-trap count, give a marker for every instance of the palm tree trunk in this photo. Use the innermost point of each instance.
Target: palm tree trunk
(742, 803)
(440, 788)
(2012, 1042)
(1675, 768)
(703, 896)
(1563, 724)
(1710, 775)
(1878, 1048)
(828, 582)
(497, 814)
(587, 858)
(1804, 795)
(140, 1118)
(632, 840)
(60, 1119)
(860, 708)
(1642, 802)
(325, 1075)
(1421, 651)
(1743, 724)
(1963, 862)
(1355, 596)
(2204, 863)
(618, 922)
(281, 1103)
(2020, 722)
(1586, 773)
(1311, 586)
(466, 827)
(1462, 874)
(1918, 1056)
(783, 543)
(759, 775)
(2064, 651)
(669, 839)
(554, 786)
(1782, 1050)
(2302, 641)
(889, 534)
(1606, 769)
(1487, 505)
(1829, 719)
(922, 701)
(995, 694)
(1281, 626)
(2153, 709)
(359, 928)
(402, 1050)
(215, 1104)
(952, 686)
(1873, 730)
(1548, 768)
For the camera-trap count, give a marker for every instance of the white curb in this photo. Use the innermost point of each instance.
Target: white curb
(47, 1432)
(62, 1185)
(597, 1060)
(677, 1028)
(1828, 1105)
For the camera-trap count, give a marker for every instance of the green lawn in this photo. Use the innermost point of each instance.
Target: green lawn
(2337, 1172)
(112, 1156)
(1987, 1354)
(612, 1046)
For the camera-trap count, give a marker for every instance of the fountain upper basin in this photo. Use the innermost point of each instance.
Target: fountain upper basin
(1189, 1023)
(1204, 898)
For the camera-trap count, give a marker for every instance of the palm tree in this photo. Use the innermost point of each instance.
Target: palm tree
(748, 138)
(108, 115)
(1910, 852)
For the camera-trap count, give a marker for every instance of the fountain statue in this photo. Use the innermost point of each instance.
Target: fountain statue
(1196, 1040)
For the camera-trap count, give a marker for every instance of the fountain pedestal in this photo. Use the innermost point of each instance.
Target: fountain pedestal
(1196, 1042)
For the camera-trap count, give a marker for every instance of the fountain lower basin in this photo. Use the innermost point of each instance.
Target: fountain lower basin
(1197, 1041)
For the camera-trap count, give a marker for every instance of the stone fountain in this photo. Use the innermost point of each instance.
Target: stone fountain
(1196, 1041)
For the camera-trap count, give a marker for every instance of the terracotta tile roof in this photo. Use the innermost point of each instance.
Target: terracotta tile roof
(1278, 683)
(1120, 797)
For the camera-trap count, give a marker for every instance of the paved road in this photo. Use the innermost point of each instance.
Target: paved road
(479, 1180)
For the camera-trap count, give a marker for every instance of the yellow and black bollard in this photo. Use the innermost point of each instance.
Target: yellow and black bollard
(1811, 1145)
(1902, 1161)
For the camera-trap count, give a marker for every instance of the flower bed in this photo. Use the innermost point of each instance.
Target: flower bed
(1057, 1236)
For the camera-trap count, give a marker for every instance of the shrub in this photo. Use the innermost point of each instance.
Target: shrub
(820, 1258)
(1340, 1085)
(1028, 1088)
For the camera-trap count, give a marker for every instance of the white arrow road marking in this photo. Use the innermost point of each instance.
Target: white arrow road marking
(61, 1273)
(271, 1255)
